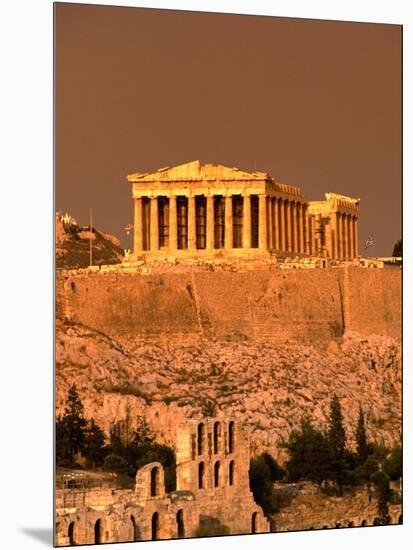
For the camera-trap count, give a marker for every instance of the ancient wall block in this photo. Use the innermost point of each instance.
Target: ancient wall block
(150, 482)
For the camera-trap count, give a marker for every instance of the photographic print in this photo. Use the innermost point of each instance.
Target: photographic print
(228, 254)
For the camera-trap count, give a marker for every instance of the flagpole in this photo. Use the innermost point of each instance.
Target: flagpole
(90, 237)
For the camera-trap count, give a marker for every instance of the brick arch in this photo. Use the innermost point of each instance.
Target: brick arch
(71, 533)
(155, 526)
(98, 531)
(201, 438)
(217, 473)
(201, 475)
(217, 436)
(180, 524)
(231, 472)
(231, 436)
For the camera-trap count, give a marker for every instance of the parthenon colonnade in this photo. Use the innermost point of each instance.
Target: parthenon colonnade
(194, 210)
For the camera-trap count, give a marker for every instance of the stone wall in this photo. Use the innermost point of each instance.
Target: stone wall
(99, 515)
(317, 511)
(273, 305)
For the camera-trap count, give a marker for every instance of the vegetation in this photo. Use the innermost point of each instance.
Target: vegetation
(319, 456)
(126, 451)
(212, 529)
(264, 470)
(398, 249)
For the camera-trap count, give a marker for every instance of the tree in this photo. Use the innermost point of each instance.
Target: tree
(337, 443)
(94, 444)
(361, 438)
(310, 454)
(143, 433)
(71, 428)
(398, 249)
(261, 484)
(393, 466)
(115, 463)
(384, 494)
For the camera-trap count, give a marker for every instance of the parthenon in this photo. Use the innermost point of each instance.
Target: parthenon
(195, 210)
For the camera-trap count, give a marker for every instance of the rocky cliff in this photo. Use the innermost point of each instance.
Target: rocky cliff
(73, 245)
(266, 384)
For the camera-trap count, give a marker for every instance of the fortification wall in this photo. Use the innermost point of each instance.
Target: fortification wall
(275, 305)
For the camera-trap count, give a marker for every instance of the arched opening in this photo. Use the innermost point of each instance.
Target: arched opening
(98, 532)
(180, 527)
(254, 522)
(201, 435)
(231, 437)
(350, 524)
(217, 436)
(154, 481)
(338, 525)
(71, 533)
(155, 526)
(231, 472)
(376, 521)
(363, 523)
(135, 529)
(217, 468)
(201, 475)
(400, 520)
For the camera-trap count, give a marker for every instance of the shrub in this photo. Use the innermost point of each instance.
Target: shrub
(115, 463)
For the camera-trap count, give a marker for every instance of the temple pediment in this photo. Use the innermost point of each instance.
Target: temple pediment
(194, 171)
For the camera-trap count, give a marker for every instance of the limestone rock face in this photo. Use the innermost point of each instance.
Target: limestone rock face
(266, 385)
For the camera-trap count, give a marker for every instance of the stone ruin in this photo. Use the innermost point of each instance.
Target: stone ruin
(212, 490)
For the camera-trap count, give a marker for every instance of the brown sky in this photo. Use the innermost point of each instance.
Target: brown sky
(314, 103)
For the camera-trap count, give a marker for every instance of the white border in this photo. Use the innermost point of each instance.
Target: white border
(26, 275)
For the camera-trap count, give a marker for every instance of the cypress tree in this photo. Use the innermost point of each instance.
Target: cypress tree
(337, 442)
(94, 444)
(361, 438)
(71, 427)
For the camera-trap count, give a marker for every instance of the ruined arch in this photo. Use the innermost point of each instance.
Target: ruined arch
(71, 533)
(136, 534)
(155, 475)
(231, 436)
(254, 522)
(217, 436)
(217, 473)
(98, 531)
(155, 526)
(363, 523)
(201, 437)
(180, 526)
(231, 473)
(201, 475)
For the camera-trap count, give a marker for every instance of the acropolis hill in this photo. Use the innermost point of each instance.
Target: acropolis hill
(191, 325)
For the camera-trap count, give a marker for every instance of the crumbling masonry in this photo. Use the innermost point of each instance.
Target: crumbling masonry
(212, 491)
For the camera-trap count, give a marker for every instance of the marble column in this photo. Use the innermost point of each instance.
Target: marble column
(229, 240)
(276, 217)
(301, 227)
(356, 237)
(294, 226)
(288, 225)
(283, 230)
(351, 236)
(307, 233)
(191, 223)
(329, 240)
(137, 228)
(270, 233)
(210, 236)
(173, 224)
(246, 227)
(313, 239)
(154, 244)
(344, 231)
(262, 220)
(339, 246)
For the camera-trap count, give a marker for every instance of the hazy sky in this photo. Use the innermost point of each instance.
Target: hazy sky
(314, 103)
